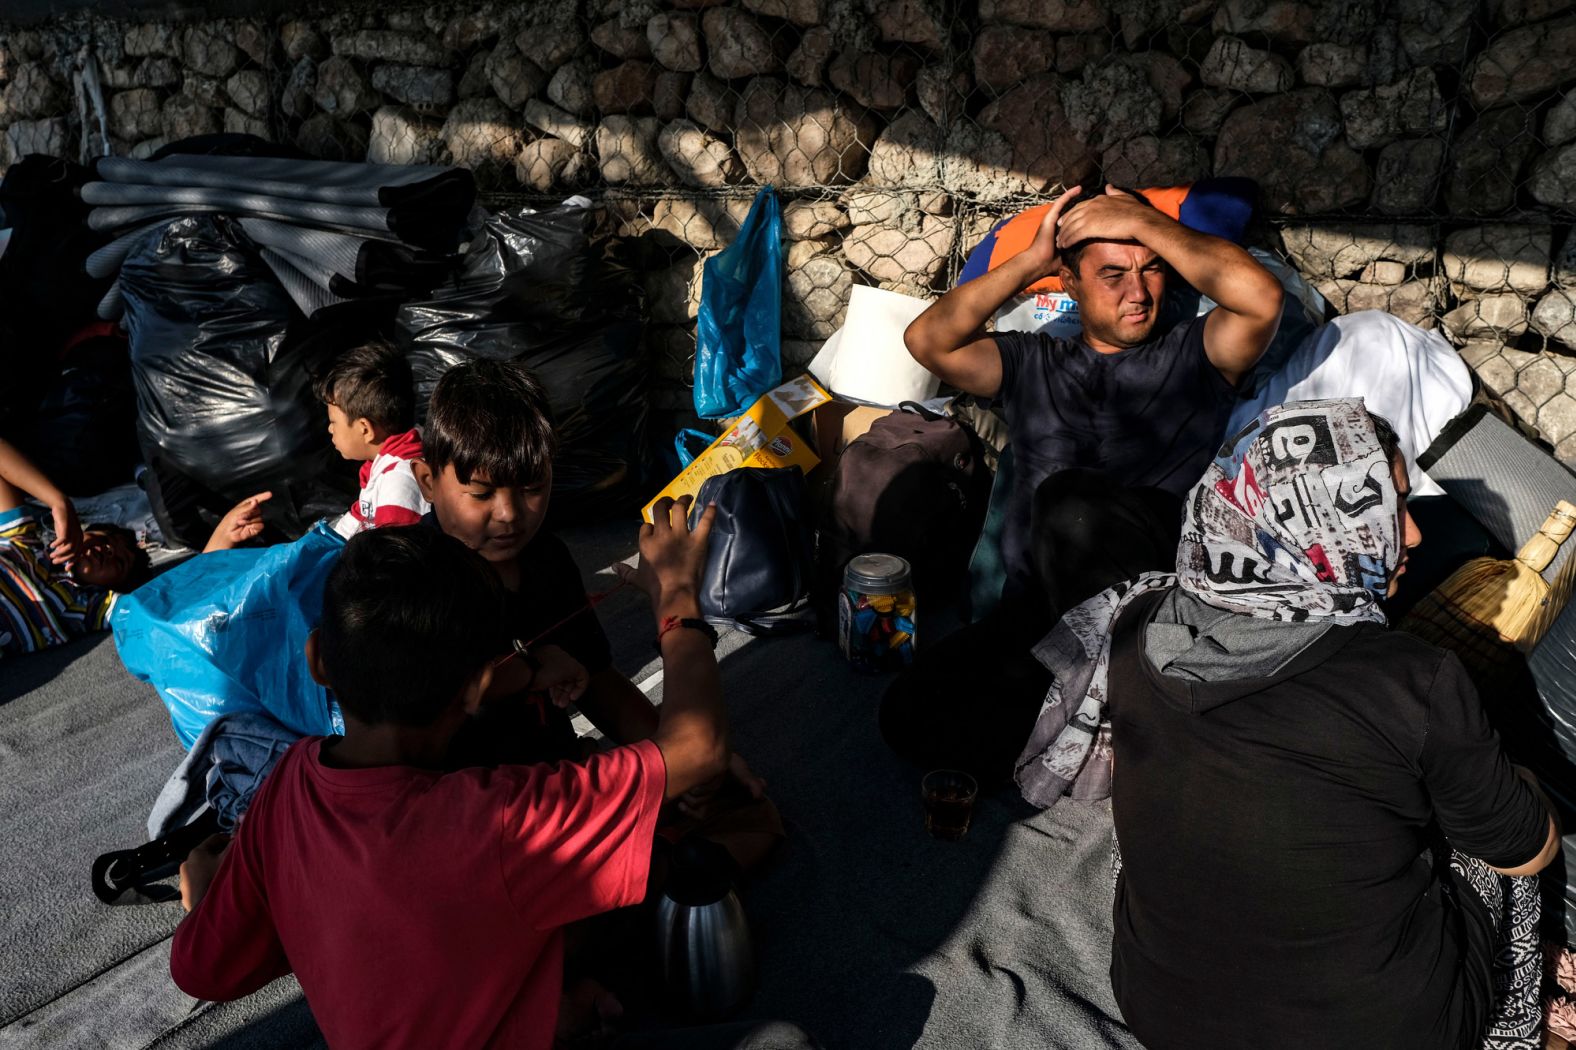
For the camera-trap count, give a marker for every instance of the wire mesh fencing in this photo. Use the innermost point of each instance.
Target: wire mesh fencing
(1416, 156)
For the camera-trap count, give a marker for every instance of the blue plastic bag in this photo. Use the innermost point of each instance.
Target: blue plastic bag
(687, 444)
(738, 333)
(226, 632)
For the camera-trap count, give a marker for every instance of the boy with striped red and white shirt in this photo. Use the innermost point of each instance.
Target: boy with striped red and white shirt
(371, 414)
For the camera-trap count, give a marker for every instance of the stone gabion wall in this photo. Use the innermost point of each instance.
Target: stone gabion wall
(1415, 155)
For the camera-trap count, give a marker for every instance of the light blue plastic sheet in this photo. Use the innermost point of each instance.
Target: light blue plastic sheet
(738, 333)
(226, 632)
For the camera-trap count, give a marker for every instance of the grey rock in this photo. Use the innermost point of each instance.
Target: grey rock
(32, 92)
(626, 88)
(1500, 315)
(481, 132)
(1066, 16)
(327, 137)
(1435, 32)
(207, 90)
(300, 40)
(153, 38)
(813, 220)
(793, 136)
(1486, 161)
(1112, 103)
(182, 117)
(799, 12)
(1565, 262)
(474, 82)
(50, 136)
(1559, 124)
(1330, 252)
(1383, 271)
(917, 22)
(1557, 422)
(248, 89)
(1518, 12)
(402, 136)
(1044, 149)
(387, 45)
(874, 81)
(572, 87)
(542, 164)
(1283, 21)
(1205, 110)
(619, 40)
(1553, 180)
(1150, 160)
(1291, 144)
(342, 90)
(1411, 106)
(255, 42)
(515, 78)
(710, 103)
(705, 225)
(299, 94)
(1540, 381)
(671, 95)
(1233, 65)
(113, 75)
(554, 122)
(1325, 64)
(807, 63)
(674, 41)
(908, 153)
(157, 72)
(471, 29)
(698, 157)
(627, 151)
(415, 85)
(1504, 257)
(914, 254)
(1004, 56)
(738, 45)
(1407, 176)
(135, 114)
(1076, 52)
(1416, 302)
(1167, 75)
(1555, 317)
(209, 51)
(550, 45)
(1522, 64)
(942, 93)
(815, 297)
(145, 149)
(238, 123)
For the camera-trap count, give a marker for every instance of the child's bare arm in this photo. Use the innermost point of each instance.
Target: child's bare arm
(19, 478)
(692, 729)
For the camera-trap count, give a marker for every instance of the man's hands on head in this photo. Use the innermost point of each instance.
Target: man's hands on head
(242, 522)
(1045, 250)
(1117, 216)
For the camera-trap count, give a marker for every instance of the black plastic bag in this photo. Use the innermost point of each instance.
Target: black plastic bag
(83, 435)
(224, 383)
(534, 288)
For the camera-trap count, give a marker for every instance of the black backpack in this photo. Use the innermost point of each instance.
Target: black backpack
(762, 548)
(915, 485)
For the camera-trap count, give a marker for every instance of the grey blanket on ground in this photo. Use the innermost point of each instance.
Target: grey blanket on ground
(872, 935)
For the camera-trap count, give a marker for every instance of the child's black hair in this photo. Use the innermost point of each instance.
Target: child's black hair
(141, 565)
(1073, 254)
(373, 382)
(490, 418)
(409, 615)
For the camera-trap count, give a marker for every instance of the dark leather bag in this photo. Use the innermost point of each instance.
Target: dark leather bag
(762, 548)
(916, 485)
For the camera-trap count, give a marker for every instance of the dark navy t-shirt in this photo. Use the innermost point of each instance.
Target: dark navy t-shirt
(1149, 416)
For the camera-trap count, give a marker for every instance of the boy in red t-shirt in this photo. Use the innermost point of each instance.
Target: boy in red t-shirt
(423, 908)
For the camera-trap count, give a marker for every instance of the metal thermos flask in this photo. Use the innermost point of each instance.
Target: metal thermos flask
(708, 959)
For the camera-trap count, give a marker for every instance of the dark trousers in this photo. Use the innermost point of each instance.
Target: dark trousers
(970, 701)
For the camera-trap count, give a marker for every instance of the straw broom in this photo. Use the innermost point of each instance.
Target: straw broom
(1489, 608)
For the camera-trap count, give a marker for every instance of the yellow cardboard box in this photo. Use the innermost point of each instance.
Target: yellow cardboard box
(759, 438)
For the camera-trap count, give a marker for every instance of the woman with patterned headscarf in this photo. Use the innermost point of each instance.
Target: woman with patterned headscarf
(1321, 840)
